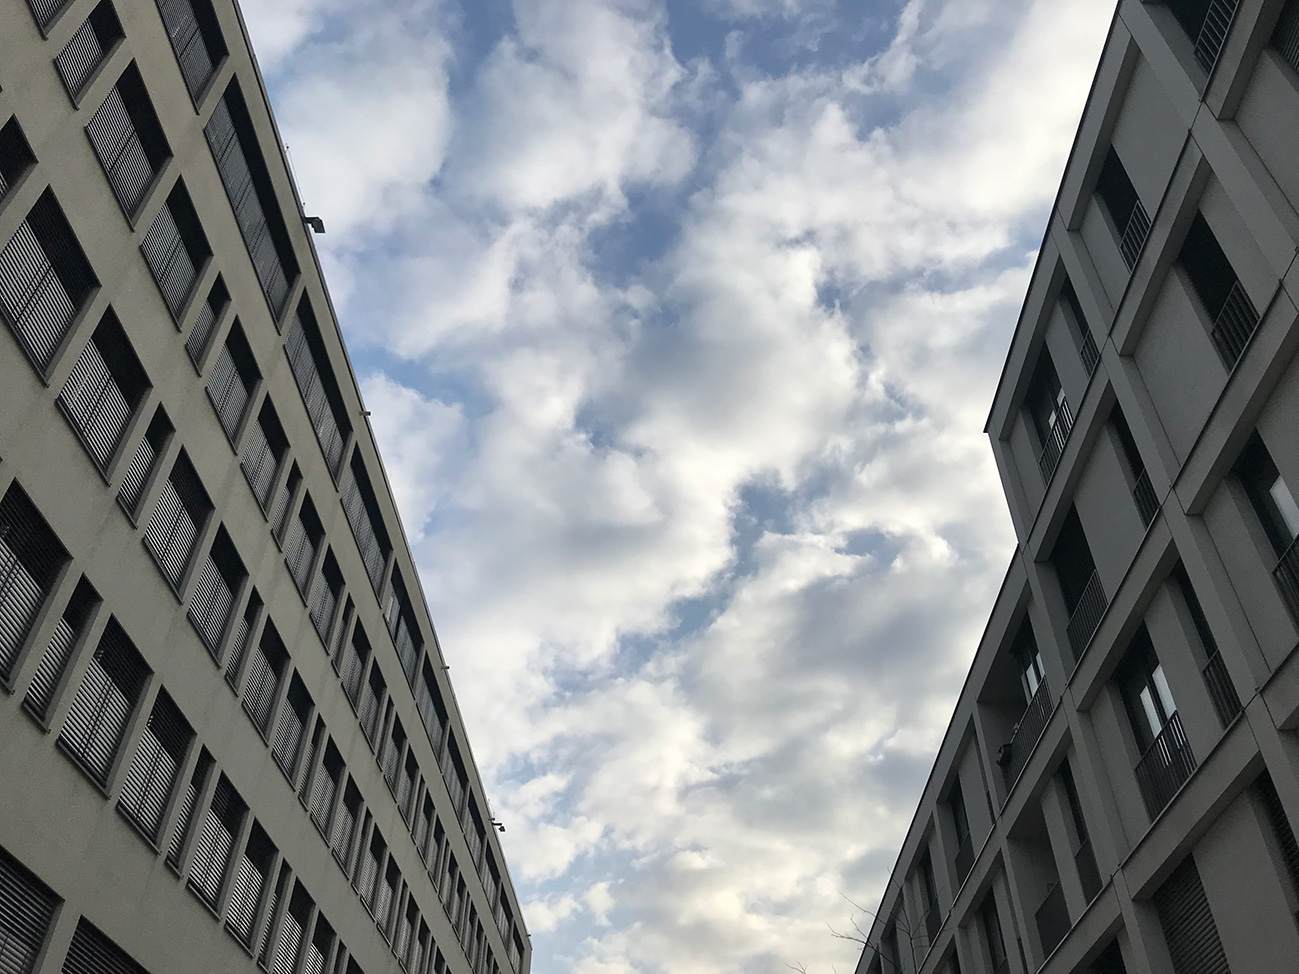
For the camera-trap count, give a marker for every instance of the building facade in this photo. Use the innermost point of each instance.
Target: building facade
(1118, 789)
(227, 735)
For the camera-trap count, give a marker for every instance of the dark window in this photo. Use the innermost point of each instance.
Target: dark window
(31, 558)
(175, 248)
(1082, 332)
(367, 525)
(45, 280)
(188, 803)
(218, 582)
(351, 670)
(89, 47)
(1287, 848)
(1048, 410)
(1120, 199)
(317, 385)
(322, 942)
(179, 515)
(103, 391)
(303, 542)
(344, 830)
(370, 865)
(323, 604)
(407, 923)
(105, 700)
(289, 940)
(453, 773)
(233, 379)
(372, 697)
(251, 879)
(26, 911)
(1166, 759)
(402, 627)
(1084, 856)
(155, 765)
(45, 11)
(991, 923)
(278, 892)
(209, 313)
(1216, 678)
(233, 142)
(280, 511)
(93, 953)
(243, 639)
(1219, 290)
(385, 898)
(428, 701)
(196, 38)
(1271, 497)
(128, 140)
(54, 661)
(1084, 598)
(1206, 23)
(215, 842)
(15, 155)
(324, 787)
(265, 669)
(407, 787)
(928, 895)
(392, 751)
(475, 834)
(291, 727)
(1188, 925)
(424, 827)
(143, 461)
(267, 446)
(1138, 480)
(1286, 38)
(1109, 961)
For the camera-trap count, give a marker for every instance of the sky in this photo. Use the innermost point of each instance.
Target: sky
(679, 321)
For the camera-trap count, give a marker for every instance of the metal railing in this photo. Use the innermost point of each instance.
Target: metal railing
(121, 151)
(964, 858)
(1234, 326)
(1134, 235)
(1165, 766)
(1286, 574)
(1226, 702)
(1089, 875)
(1027, 732)
(1052, 919)
(81, 56)
(1091, 357)
(1053, 448)
(1087, 615)
(1213, 33)
(1144, 494)
(1286, 38)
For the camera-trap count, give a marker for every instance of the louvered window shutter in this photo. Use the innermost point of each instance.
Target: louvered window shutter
(344, 829)
(212, 854)
(93, 953)
(299, 553)
(95, 402)
(322, 941)
(323, 790)
(259, 692)
(26, 911)
(288, 738)
(210, 605)
(259, 464)
(1189, 929)
(170, 262)
(228, 391)
(30, 559)
(251, 877)
(57, 654)
(157, 758)
(105, 699)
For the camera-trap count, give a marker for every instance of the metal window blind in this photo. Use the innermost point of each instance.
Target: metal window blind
(82, 55)
(105, 699)
(299, 553)
(474, 836)
(1188, 925)
(168, 259)
(353, 666)
(385, 897)
(154, 766)
(370, 870)
(406, 788)
(243, 635)
(322, 939)
(322, 605)
(228, 391)
(188, 43)
(210, 607)
(427, 706)
(1281, 829)
(407, 651)
(392, 755)
(96, 403)
(288, 735)
(45, 11)
(290, 934)
(260, 464)
(212, 853)
(306, 372)
(53, 661)
(26, 911)
(264, 952)
(30, 558)
(263, 680)
(371, 701)
(121, 153)
(1286, 38)
(237, 177)
(358, 517)
(454, 776)
(404, 926)
(44, 280)
(187, 805)
(323, 790)
(137, 473)
(344, 829)
(250, 880)
(502, 914)
(93, 953)
(170, 533)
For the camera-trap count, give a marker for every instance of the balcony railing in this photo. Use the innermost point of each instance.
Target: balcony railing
(1286, 574)
(1222, 691)
(1088, 874)
(1234, 326)
(964, 858)
(1052, 920)
(1090, 356)
(1055, 441)
(1286, 38)
(933, 922)
(1167, 763)
(1213, 33)
(1027, 732)
(1134, 235)
(1144, 494)
(1087, 615)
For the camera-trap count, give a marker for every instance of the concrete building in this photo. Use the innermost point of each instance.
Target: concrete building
(227, 734)
(1119, 785)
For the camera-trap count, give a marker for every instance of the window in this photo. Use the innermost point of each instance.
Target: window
(407, 787)
(291, 727)
(219, 580)
(1048, 411)
(424, 828)
(516, 951)
(1187, 921)
(215, 840)
(284, 502)
(315, 378)
(324, 787)
(407, 924)
(1121, 202)
(243, 639)
(103, 391)
(371, 862)
(278, 892)
(31, 558)
(251, 879)
(1282, 834)
(265, 669)
(992, 934)
(54, 661)
(26, 911)
(453, 773)
(1166, 760)
(964, 856)
(15, 156)
(1084, 856)
(1231, 313)
(265, 452)
(233, 142)
(179, 515)
(45, 280)
(128, 139)
(232, 381)
(323, 604)
(1206, 23)
(1286, 38)
(386, 898)
(351, 669)
(93, 953)
(428, 702)
(1078, 326)
(1222, 691)
(392, 752)
(143, 460)
(1142, 491)
(372, 698)
(209, 313)
(304, 540)
(189, 802)
(89, 47)
(1080, 585)
(929, 895)
(322, 941)
(475, 834)
(402, 627)
(1270, 496)
(175, 248)
(155, 765)
(45, 11)
(105, 700)
(367, 525)
(344, 831)
(291, 931)
(196, 39)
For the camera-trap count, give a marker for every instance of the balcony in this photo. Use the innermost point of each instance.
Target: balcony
(1091, 357)
(1144, 494)
(933, 922)
(1165, 766)
(1286, 574)
(964, 859)
(1087, 615)
(1052, 919)
(1134, 235)
(1222, 691)
(1014, 755)
(1055, 441)
(1213, 33)
(1088, 873)
(1234, 326)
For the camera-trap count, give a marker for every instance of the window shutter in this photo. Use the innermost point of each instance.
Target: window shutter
(250, 881)
(105, 699)
(26, 911)
(170, 262)
(212, 854)
(299, 553)
(259, 464)
(210, 606)
(228, 392)
(345, 826)
(259, 693)
(137, 472)
(93, 953)
(322, 940)
(188, 43)
(153, 769)
(288, 738)
(174, 523)
(1188, 923)
(96, 404)
(187, 806)
(30, 559)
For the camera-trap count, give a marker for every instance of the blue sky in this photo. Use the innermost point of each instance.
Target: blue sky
(679, 322)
